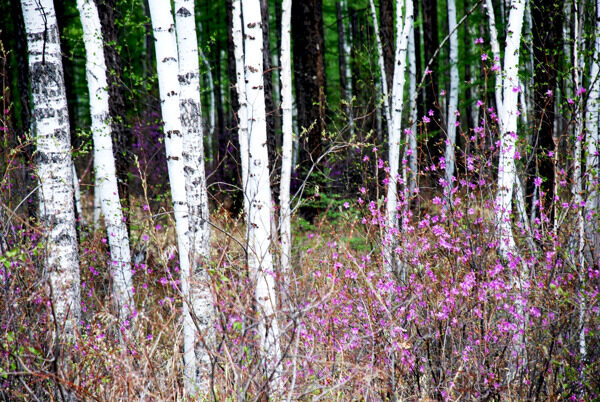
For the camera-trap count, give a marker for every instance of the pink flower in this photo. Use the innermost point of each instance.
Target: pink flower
(426, 119)
(549, 93)
(537, 181)
(496, 67)
(570, 101)
(442, 92)
(479, 41)
(346, 205)
(428, 72)
(431, 112)
(484, 57)
(517, 88)
(580, 91)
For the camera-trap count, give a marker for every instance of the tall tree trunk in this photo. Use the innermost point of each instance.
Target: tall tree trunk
(269, 95)
(386, 17)
(382, 72)
(547, 34)
(591, 162)
(121, 136)
(453, 95)
(52, 133)
(345, 61)
(403, 28)
(165, 46)
(506, 165)
(578, 74)
(260, 261)
(430, 44)
(495, 45)
(286, 151)
(104, 160)
(200, 301)
(309, 73)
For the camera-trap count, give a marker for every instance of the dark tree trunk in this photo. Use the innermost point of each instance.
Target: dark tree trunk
(269, 103)
(386, 16)
(13, 36)
(431, 43)
(231, 172)
(342, 55)
(69, 71)
(233, 101)
(116, 101)
(418, 59)
(547, 48)
(309, 73)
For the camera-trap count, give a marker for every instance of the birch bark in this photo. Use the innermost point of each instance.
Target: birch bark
(165, 46)
(260, 262)
(104, 161)
(53, 145)
(591, 121)
(578, 69)
(506, 165)
(403, 27)
(382, 72)
(286, 151)
(453, 95)
(195, 188)
(496, 53)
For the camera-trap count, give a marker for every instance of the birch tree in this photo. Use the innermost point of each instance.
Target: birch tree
(195, 188)
(286, 151)
(382, 73)
(260, 262)
(165, 46)
(453, 95)
(53, 147)
(104, 161)
(591, 121)
(578, 71)
(394, 117)
(508, 126)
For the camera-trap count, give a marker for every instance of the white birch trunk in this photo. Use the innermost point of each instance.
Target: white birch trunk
(104, 161)
(165, 46)
(591, 121)
(496, 54)
(286, 149)
(196, 194)
(238, 51)
(403, 28)
(347, 32)
(260, 261)
(54, 164)
(453, 95)
(383, 74)
(578, 69)
(506, 166)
